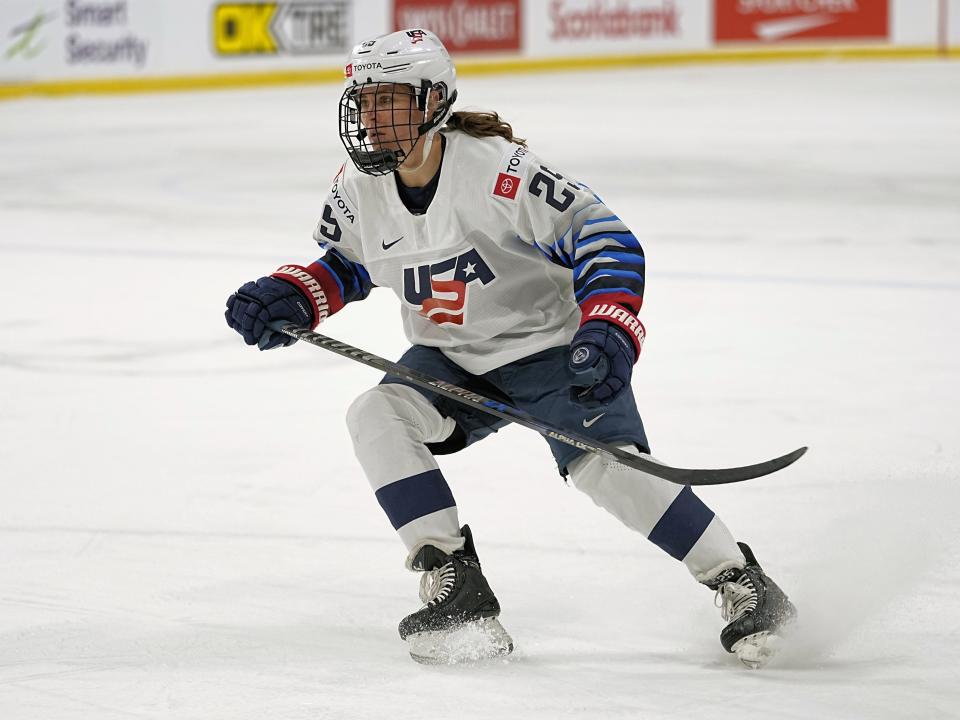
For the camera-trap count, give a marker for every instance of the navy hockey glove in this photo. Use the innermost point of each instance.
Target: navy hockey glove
(268, 299)
(601, 360)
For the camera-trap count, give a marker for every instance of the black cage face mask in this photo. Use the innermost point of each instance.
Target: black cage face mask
(380, 122)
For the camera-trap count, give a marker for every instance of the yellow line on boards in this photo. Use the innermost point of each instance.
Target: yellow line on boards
(714, 56)
(110, 86)
(104, 86)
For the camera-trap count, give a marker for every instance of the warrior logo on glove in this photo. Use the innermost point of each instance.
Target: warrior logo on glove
(580, 356)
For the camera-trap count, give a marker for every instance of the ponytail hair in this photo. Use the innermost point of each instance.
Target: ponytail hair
(483, 124)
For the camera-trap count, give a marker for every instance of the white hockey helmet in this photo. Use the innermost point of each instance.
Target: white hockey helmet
(415, 58)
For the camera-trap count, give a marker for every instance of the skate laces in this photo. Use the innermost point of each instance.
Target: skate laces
(436, 585)
(737, 597)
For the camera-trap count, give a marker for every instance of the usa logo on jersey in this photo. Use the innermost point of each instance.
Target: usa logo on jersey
(440, 289)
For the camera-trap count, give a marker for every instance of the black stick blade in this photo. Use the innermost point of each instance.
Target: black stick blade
(719, 476)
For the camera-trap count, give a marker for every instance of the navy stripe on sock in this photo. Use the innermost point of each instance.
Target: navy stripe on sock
(415, 496)
(682, 524)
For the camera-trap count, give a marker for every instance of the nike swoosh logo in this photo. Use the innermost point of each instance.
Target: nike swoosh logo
(387, 246)
(778, 29)
(588, 423)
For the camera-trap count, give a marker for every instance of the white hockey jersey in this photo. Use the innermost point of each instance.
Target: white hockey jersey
(499, 265)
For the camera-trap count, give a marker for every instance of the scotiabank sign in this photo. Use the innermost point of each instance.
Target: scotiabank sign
(464, 25)
(589, 28)
(782, 20)
(614, 20)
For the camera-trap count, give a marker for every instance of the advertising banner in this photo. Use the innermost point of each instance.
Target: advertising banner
(64, 39)
(607, 27)
(321, 27)
(77, 39)
(179, 42)
(774, 21)
(465, 25)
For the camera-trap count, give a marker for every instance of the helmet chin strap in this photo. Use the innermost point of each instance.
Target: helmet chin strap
(425, 152)
(435, 124)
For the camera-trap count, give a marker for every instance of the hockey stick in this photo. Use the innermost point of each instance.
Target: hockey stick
(680, 476)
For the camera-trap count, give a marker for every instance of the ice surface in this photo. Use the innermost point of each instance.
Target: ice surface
(184, 532)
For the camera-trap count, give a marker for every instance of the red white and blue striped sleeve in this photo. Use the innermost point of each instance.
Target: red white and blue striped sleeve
(574, 228)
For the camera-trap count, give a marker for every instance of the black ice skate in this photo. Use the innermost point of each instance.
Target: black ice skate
(756, 610)
(458, 622)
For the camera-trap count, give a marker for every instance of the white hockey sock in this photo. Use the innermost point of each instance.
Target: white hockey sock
(714, 552)
(670, 515)
(390, 426)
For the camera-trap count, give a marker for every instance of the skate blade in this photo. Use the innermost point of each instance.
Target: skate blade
(470, 642)
(758, 649)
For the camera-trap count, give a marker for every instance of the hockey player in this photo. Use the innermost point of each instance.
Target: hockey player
(515, 281)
